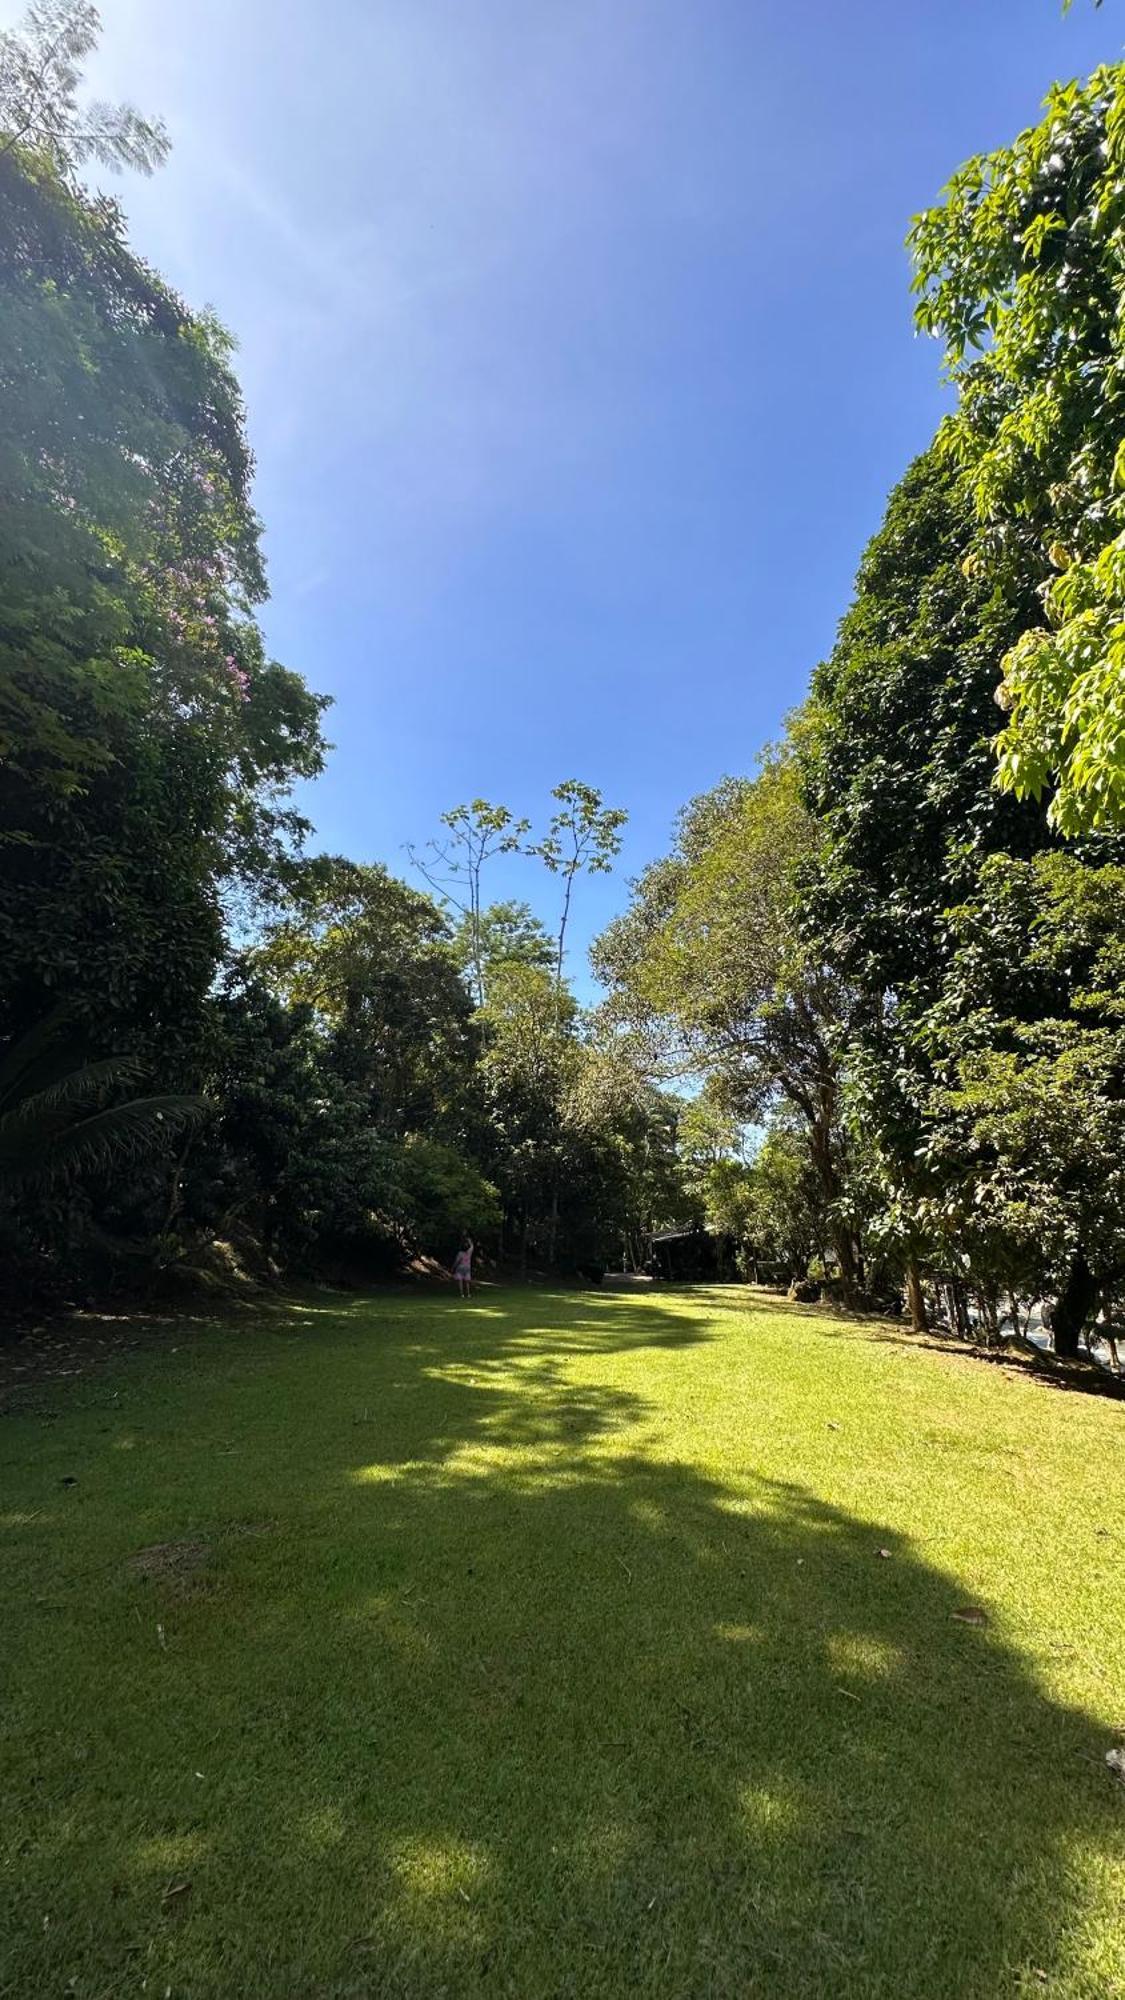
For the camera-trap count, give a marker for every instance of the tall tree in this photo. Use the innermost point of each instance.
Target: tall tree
(529, 1053)
(897, 766)
(454, 863)
(148, 743)
(1026, 1141)
(584, 837)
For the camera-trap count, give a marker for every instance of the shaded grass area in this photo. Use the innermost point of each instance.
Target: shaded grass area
(544, 1647)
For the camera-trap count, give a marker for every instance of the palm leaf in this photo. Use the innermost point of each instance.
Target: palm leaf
(64, 1091)
(46, 1065)
(118, 1135)
(20, 1059)
(45, 1086)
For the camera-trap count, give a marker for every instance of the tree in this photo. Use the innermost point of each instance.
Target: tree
(622, 1173)
(307, 1162)
(148, 742)
(1027, 1141)
(584, 837)
(528, 1057)
(41, 65)
(895, 753)
(1019, 272)
(77, 1140)
(779, 1206)
(370, 956)
(500, 943)
(454, 866)
(897, 767)
(707, 969)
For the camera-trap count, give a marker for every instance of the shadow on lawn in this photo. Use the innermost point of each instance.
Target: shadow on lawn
(553, 1720)
(1021, 1360)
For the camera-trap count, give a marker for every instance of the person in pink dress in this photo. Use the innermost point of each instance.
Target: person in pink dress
(463, 1268)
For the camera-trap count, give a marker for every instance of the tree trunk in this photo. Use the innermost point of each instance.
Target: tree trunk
(988, 1303)
(1075, 1303)
(845, 1257)
(553, 1227)
(960, 1309)
(820, 1141)
(916, 1299)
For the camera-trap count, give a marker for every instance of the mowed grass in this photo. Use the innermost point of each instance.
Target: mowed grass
(547, 1646)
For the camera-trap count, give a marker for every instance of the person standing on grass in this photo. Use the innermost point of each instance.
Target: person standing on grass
(463, 1268)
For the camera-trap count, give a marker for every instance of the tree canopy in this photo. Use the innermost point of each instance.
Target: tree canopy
(1019, 272)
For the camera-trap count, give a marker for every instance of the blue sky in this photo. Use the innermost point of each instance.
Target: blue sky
(576, 341)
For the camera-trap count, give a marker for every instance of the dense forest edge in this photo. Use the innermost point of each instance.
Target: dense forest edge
(861, 1030)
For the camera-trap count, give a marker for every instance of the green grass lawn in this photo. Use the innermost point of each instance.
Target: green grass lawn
(546, 1646)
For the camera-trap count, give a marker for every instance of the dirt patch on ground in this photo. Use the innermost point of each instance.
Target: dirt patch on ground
(178, 1566)
(184, 1568)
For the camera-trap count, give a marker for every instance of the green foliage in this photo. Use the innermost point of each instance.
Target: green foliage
(870, 946)
(581, 1146)
(83, 1150)
(310, 1158)
(895, 755)
(763, 1196)
(916, 840)
(505, 934)
(348, 1075)
(782, 1220)
(440, 1195)
(1027, 1145)
(148, 743)
(584, 835)
(896, 766)
(696, 961)
(370, 956)
(1020, 273)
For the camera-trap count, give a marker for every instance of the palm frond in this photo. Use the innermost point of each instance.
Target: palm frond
(59, 1094)
(121, 1134)
(20, 1059)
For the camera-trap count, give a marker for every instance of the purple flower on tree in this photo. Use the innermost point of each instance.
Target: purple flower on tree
(239, 678)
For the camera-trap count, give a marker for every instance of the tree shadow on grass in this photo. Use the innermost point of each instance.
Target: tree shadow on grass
(1020, 1360)
(543, 1714)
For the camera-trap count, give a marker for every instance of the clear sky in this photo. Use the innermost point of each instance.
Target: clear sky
(576, 341)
